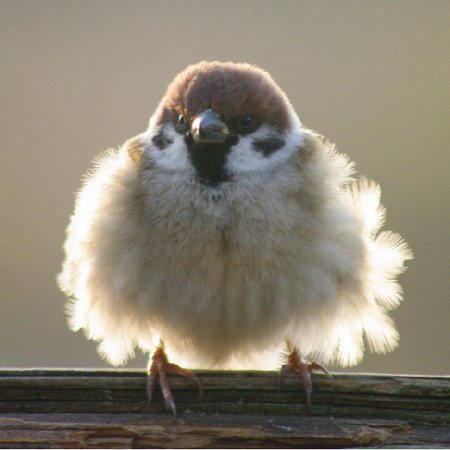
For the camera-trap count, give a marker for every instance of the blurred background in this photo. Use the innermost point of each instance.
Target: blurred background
(78, 77)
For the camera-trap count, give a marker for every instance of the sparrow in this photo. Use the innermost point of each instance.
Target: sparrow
(227, 231)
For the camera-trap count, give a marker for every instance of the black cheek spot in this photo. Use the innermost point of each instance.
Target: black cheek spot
(161, 140)
(268, 145)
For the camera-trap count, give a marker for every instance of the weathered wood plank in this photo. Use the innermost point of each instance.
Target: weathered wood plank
(108, 408)
(348, 395)
(99, 431)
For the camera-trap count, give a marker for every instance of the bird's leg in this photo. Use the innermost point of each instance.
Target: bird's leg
(295, 363)
(161, 366)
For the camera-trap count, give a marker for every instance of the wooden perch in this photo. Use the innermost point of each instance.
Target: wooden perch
(98, 409)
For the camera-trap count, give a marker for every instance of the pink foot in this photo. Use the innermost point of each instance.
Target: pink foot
(161, 366)
(295, 363)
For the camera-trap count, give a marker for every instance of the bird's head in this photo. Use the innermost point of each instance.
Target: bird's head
(219, 121)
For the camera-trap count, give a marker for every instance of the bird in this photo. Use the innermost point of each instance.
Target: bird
(228, 233)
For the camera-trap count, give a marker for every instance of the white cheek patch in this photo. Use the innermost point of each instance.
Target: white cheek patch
(256, 152)
(249, 155)
(168, 149)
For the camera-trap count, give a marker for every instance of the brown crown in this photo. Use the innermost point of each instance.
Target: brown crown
(230, 90)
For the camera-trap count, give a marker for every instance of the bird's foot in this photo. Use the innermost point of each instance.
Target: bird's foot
(295, 363)
(161, 366)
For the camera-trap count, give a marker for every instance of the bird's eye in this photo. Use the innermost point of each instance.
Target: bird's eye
(246, 123)
(182, 123)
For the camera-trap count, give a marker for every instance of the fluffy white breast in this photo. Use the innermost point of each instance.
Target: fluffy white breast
(288, 246)
(225, 279)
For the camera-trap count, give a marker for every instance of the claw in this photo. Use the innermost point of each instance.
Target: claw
(153, 371)
(316, 367)
(174, 368)
(305, 374)
(161, 366)
(295, 363)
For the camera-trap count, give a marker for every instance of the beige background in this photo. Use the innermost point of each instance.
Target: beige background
(80, 76)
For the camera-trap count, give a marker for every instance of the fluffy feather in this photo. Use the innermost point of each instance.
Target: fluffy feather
(225, 275)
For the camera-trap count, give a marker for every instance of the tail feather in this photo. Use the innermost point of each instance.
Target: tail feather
(387, 253)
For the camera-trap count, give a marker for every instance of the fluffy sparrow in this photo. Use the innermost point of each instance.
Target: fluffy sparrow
(225, 230)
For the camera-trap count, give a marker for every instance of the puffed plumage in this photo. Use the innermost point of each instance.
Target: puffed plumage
(226, 252)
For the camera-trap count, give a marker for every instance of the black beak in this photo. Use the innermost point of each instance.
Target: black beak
(207, 128)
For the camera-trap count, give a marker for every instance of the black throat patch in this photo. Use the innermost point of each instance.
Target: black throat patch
(209, 161)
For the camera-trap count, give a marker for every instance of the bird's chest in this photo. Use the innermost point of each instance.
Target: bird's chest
(218, 269)
(223, 253)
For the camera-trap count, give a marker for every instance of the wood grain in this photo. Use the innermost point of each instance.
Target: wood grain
(108, 408)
